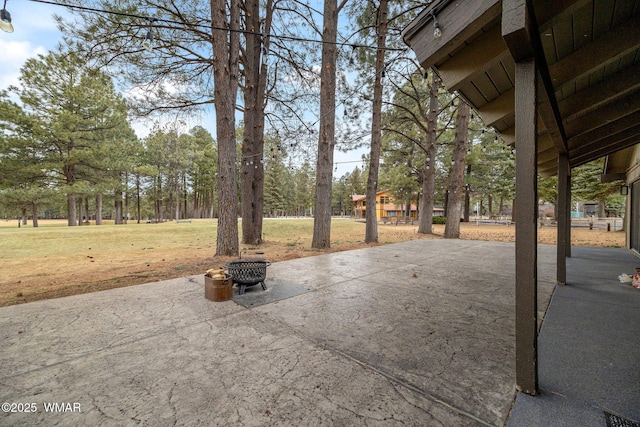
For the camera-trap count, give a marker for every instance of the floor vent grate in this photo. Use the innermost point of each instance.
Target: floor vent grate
(618, 421)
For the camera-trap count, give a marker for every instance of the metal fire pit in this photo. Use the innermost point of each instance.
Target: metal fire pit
(248, 272)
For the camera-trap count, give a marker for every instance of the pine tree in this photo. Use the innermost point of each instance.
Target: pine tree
(456, 178)
(74, 116)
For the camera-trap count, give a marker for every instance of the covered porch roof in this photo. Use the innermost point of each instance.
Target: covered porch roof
(588, 52)
(559, 79)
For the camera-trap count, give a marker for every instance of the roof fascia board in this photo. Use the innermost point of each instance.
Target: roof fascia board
(458, 21)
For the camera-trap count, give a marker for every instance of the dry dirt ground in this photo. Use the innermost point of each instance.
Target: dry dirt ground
(76, 274)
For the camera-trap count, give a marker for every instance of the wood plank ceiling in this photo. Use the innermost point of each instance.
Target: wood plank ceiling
(589, 66)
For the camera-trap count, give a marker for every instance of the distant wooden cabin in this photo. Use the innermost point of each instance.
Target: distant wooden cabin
(386, 207)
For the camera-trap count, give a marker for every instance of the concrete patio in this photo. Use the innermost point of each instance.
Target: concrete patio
(416, 333)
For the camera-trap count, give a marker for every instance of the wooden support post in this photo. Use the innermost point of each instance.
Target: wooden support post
(568, 201)
(526, 227)
(520, 33)
(564, 219)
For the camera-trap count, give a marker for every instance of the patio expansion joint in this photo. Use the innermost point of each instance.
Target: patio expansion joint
(413, 388)
(390, 377)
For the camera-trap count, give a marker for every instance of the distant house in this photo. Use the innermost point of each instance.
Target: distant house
(386, 207)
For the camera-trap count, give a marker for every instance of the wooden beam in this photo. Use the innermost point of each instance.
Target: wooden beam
(544, 141)
(604, 116)
(606, 91)
(547, 173)
(549, 164)
(517, 32)
(509, 135)
(546, 156)
(474, 59)
(622, 124)
(458, 22)
(522, 36)
(545, 144)
(548, 108)
(612, 177)
(604, 151)
(568, 207)
(610, 140)
(607, 49)
(547, 10)
(526, 227)
(516, 29)
(564, 219)
(498, 109)
(547, 103)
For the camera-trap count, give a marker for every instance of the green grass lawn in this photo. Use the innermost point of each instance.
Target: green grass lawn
(55, 238)
(58, 239)
(55, 259)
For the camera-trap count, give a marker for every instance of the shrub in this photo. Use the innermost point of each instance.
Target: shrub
(438, 220)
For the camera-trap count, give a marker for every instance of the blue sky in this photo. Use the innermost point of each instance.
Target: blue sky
(35, 32)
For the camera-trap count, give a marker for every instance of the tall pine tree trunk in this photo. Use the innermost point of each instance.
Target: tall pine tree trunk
(71, 210)
(226, 47)
(126, 198)
(446, 202)
(99, 209)
(490, 206)
(138, 196)
(118, 206)
(429, 172)
(407, 211)
(467, 198)
(197, 212)
(371, 228)
(513, 210)
(326, 140)
(252, 207)
(70, 177)
(80, 213)
(456, 179)
(158, 201)
(177, 201)
(212, 205)
(34, 213)
(601, 208)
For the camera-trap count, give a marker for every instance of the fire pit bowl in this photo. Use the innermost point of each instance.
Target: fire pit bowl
(248, 272)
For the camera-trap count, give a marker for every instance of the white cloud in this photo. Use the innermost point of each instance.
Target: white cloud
(29, 18)
(14, 57)
(35, 33)
(149, 92)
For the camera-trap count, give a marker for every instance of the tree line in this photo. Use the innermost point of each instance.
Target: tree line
(282, 66)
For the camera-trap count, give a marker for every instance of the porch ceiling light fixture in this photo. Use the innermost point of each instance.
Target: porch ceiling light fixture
(148, 40)
(437, 32)
(5, 19)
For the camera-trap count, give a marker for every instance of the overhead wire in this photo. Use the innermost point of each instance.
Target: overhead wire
(181, 23)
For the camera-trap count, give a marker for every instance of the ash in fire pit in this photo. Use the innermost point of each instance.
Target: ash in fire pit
(248, 272)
